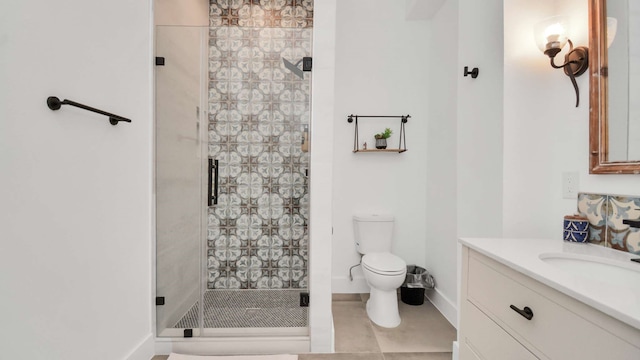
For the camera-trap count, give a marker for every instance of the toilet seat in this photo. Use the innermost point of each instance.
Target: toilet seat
(384, 264)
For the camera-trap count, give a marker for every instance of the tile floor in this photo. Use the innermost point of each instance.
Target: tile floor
(271, 308)
(424, 333)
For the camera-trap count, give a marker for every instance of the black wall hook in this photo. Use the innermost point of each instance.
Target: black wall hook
(55, 104)
(474, 72)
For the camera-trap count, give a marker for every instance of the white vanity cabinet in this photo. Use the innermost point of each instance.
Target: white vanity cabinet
(561, 327)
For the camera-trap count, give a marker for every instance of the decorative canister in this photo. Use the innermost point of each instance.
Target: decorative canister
(576, 228)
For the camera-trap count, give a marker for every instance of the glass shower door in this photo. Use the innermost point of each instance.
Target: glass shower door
(179, 177)
(239, 266)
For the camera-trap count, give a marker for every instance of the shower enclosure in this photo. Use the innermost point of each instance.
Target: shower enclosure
(232, 122)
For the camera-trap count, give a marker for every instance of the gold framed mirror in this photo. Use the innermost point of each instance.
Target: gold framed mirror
(602, 139)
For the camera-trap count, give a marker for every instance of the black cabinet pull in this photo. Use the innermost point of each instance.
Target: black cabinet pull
(527, 313)
(212, 189)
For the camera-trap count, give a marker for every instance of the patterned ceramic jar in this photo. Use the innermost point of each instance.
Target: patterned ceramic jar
(576, 228)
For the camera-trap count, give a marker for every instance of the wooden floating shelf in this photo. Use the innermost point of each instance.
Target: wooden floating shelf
(382, 150)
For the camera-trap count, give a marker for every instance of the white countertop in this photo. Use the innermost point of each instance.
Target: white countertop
(614, 299)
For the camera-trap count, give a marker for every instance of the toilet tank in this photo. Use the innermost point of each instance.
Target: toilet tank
(373, 233)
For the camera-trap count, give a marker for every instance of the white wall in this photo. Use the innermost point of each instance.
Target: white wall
(441, 161)
(422, 9)
(465, 136)
(480, 119)
(544, 133)
(458, 169)
(320, 176)
(181, 12)
(382, 63)
(75, 235)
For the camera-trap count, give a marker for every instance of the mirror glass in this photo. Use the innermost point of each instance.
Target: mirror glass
(624, 80)
(614, 49)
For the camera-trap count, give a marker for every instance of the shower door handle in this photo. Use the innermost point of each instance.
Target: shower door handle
(212, 188)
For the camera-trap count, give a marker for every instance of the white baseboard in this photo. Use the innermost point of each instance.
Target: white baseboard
(144, 350)
(442, 303)
(233, 345)
(343, 285)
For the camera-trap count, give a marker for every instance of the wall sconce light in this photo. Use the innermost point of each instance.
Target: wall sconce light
(551, 36)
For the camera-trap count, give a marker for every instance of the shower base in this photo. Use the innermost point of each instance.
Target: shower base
(225, 309)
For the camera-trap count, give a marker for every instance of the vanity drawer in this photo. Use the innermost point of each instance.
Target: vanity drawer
(554, 330)
(484, 339)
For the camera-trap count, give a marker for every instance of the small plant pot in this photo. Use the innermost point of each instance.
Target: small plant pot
(381, 143)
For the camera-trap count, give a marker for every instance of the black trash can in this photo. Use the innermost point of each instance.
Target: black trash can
(415, 284)
(412, 296)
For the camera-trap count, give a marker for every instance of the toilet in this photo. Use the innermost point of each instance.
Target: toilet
(383, 271)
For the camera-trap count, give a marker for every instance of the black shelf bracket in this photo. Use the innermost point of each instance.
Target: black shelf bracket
(55, 104)
(402, 145)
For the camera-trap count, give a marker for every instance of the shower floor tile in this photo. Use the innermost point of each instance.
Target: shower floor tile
(248, 309)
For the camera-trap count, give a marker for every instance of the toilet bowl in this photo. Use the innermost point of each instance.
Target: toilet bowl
(384, 272)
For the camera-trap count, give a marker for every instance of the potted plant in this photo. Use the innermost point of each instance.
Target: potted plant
(381, 138)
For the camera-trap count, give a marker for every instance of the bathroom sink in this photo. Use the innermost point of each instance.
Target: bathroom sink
(596, 268)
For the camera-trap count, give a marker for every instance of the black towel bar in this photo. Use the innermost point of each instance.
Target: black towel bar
(55, 104)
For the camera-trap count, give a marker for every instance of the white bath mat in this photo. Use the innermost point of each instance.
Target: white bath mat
(236, 357)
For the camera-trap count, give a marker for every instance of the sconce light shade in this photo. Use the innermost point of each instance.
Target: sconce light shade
(552, 34)
(612, 28)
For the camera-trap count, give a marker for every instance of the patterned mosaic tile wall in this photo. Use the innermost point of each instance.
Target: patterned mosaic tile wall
(259, 111)
(605, 214)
